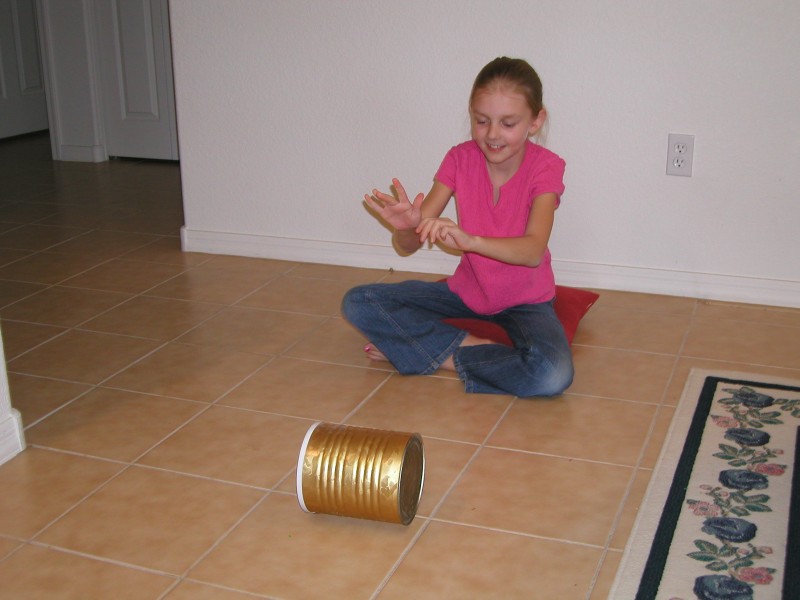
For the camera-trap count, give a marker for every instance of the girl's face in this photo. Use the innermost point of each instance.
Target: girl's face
(501, 122)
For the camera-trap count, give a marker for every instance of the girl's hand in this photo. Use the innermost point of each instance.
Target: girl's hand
(446, 232)
(396, 210)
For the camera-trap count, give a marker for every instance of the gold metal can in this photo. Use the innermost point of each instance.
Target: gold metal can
(360, 472)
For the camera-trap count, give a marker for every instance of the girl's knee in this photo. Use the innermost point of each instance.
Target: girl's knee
(552, 382)
(351, 301)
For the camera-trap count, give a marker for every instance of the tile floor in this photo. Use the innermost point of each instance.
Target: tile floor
(165, 397)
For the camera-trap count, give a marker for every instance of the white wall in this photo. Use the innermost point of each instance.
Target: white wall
(289, 111)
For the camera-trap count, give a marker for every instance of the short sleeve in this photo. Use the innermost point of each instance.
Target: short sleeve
(447, 170)
(549, 178)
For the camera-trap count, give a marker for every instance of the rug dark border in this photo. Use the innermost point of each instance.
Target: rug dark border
(659, 550)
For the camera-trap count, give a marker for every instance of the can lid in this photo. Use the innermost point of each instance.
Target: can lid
(412, 479)
(300, 461)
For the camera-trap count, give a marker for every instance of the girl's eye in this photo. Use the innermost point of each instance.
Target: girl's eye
(509, 125)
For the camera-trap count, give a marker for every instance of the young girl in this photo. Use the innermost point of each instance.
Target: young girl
(507, 190)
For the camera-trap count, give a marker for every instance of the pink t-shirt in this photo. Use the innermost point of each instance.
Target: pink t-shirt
(486, 285)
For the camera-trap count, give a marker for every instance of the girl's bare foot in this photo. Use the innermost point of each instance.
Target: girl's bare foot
(471, 340)
(374, 354)
(449, 365)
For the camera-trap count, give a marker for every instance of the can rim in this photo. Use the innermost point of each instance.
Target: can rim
(300, 461)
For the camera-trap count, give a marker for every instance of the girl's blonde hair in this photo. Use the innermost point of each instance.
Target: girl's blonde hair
(517, 74)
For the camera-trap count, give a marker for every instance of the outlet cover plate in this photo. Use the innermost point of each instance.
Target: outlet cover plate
(680, 154)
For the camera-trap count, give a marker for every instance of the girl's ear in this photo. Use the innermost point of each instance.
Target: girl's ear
(538, 122)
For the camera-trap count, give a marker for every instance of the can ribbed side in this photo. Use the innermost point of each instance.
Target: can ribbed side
(361, 472)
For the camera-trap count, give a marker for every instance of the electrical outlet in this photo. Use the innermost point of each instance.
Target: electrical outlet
(680, 152)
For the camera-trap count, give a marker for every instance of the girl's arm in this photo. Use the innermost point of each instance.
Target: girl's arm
(527, 249)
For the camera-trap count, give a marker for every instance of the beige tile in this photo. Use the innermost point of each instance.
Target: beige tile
(453, 561)
(63, 306)
(112, 424)
(253, 330)
(154, 318)
(87, 216)
(39, 486)
(768, 315)
(608, 572)
(652, 303)
(35, 397)
(308, 555)
(444, 462)
(19, 337)
(336, 341)
(351, 275)
(75, 356)
(262, 269)
(130, 276)
(21, 212)
(201, 284)
(8, 256)
(658, 436)
(538, 495)
(598, 429)
(190, 372)
(168, 250)
(108, 244)
(152, 519)
(7, 546)
(190, 590)
(233, 445)
(633, 330)
(12, 291)
(428, 405)
(42, 573)
(302, 295)
(744, 342)
(124, 219)
(306, 389)
(48, 267)
(630, 509)
(38, 237)
(621, 374)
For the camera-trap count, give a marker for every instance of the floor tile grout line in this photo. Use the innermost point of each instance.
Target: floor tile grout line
(239, 592)
(472, 458)
(76, 504)
(517, 533)
(396, 565)
(103, 559)
(224, 536)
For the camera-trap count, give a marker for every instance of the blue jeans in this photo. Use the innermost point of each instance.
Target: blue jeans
(404, 321)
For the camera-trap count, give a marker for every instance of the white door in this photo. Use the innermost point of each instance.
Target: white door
(23, 105)
(136, 79)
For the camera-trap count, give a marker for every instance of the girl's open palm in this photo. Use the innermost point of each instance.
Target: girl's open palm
(396, 210)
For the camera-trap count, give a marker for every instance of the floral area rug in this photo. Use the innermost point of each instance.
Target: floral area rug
(721, 518)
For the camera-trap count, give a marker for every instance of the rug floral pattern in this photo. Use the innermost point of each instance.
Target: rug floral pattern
(731, 534)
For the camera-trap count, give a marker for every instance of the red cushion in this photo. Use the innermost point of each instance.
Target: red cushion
(570, 305)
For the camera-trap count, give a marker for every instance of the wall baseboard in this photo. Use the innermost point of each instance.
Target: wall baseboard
(709, 286)
(12, 438)
(72, 153)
